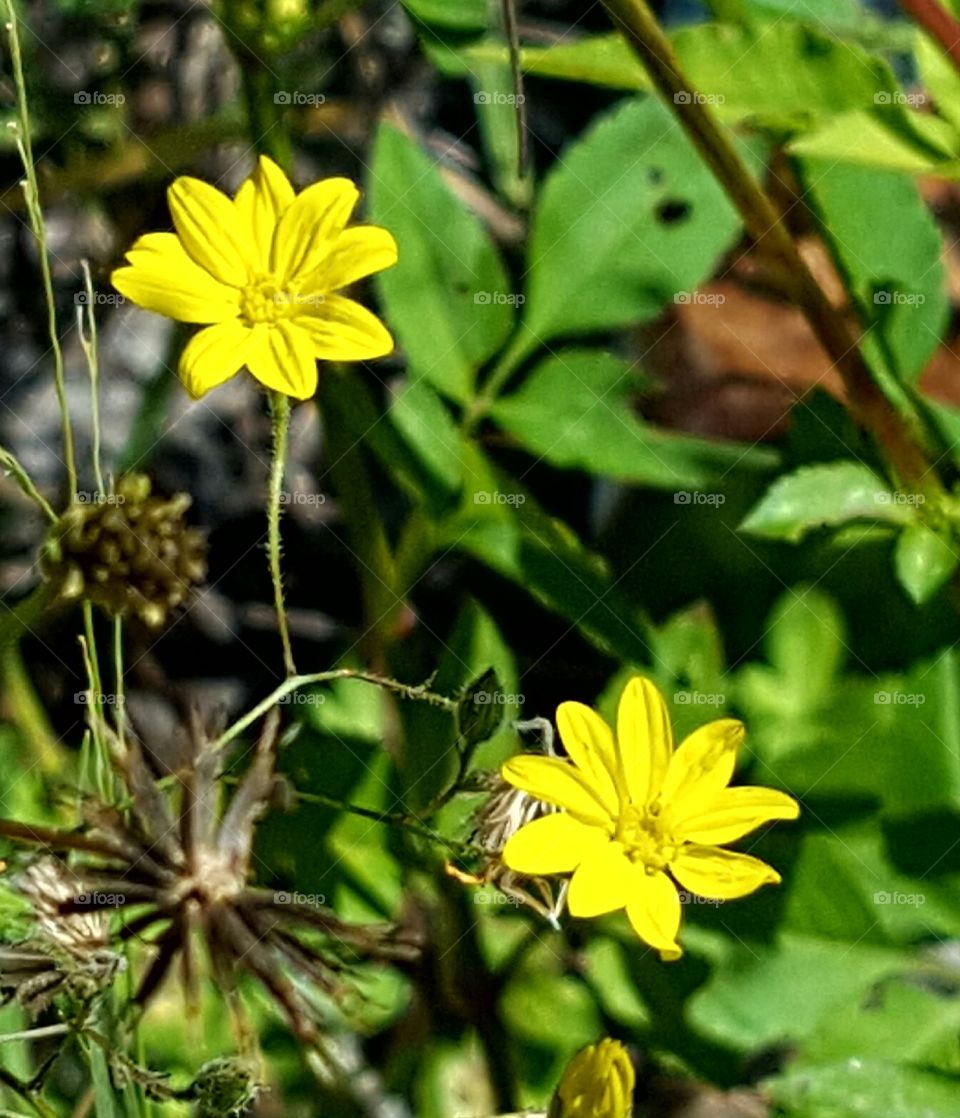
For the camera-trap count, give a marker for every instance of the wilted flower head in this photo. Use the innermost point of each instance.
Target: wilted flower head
(598, 1083)
(636, 812)
(262, 272)
(129, 552)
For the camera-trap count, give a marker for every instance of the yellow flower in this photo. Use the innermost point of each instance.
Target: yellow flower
(260, 271)
(598, 1083)
(637, 813)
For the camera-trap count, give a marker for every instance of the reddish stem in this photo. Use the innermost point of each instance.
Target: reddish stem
(938, 23)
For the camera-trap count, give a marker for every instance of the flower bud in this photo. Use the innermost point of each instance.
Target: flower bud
(598, 1083)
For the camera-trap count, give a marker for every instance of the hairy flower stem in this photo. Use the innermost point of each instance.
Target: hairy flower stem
(280, 414)
(938, 23)
(766, 228)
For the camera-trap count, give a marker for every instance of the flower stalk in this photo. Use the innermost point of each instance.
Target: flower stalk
(280, 417)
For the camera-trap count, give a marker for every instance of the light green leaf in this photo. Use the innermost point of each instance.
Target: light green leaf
(430, 436)
(448, 298)
(865, 1088)
(825, 494)
(574, 410)
(886, 137)
(924, 561)
(614, 242)
(886, 241)
(452, 15)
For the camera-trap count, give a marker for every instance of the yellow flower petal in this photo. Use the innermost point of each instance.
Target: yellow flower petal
(342, 330)
(559, 783)
(214, 355)
(309, 227)
(589, 742)
(721, 875)
(211, 230)
(702, 767)
(261, 201)
(644, 738)
(603, 882)
(736, 812)
(654, 911)
(554, 843)
(356, 253)
(282, 358)
(160, 277)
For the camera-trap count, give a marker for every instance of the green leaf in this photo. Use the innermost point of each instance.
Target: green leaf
(629, 219)
(924, 562)
(865, 1088)
(452, 15)
(499, 119)
(575, 411)
(762, 995)
(448, 299)
(480, 712)
(885, 240)
(431, 439)
(786, 75)
(825, 494)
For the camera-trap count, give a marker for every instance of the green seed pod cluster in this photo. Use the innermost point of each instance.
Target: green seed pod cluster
(130, 552)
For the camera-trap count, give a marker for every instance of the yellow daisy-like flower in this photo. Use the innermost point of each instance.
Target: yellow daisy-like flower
(598, 1083)
(636, 813)
(261, 272)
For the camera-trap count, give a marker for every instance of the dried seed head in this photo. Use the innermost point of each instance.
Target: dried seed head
(224, 1088)
(128, 551)
(49, 883)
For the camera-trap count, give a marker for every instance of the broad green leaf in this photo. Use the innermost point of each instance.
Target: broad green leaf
(431, 438)
(924, 561)
(887, 137)
(575, 411)
(829, 493)
(452, 15)
(885, 240)
(628, 219)
(448, 298)
(866, 1088)
(784, 74)
(762, 995)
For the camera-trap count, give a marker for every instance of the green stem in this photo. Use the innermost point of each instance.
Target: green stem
(522, 344)
(38, 227)
(10, 462)
(406, 690)
(765, 226)
(21, 618)
(280, 414)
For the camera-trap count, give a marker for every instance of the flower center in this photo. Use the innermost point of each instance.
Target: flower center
(264, 300)
(646, 836)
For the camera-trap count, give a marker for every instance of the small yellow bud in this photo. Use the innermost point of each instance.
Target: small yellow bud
(598, 1083)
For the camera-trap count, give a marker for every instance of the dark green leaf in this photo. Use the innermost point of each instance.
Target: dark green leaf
(924, 561)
